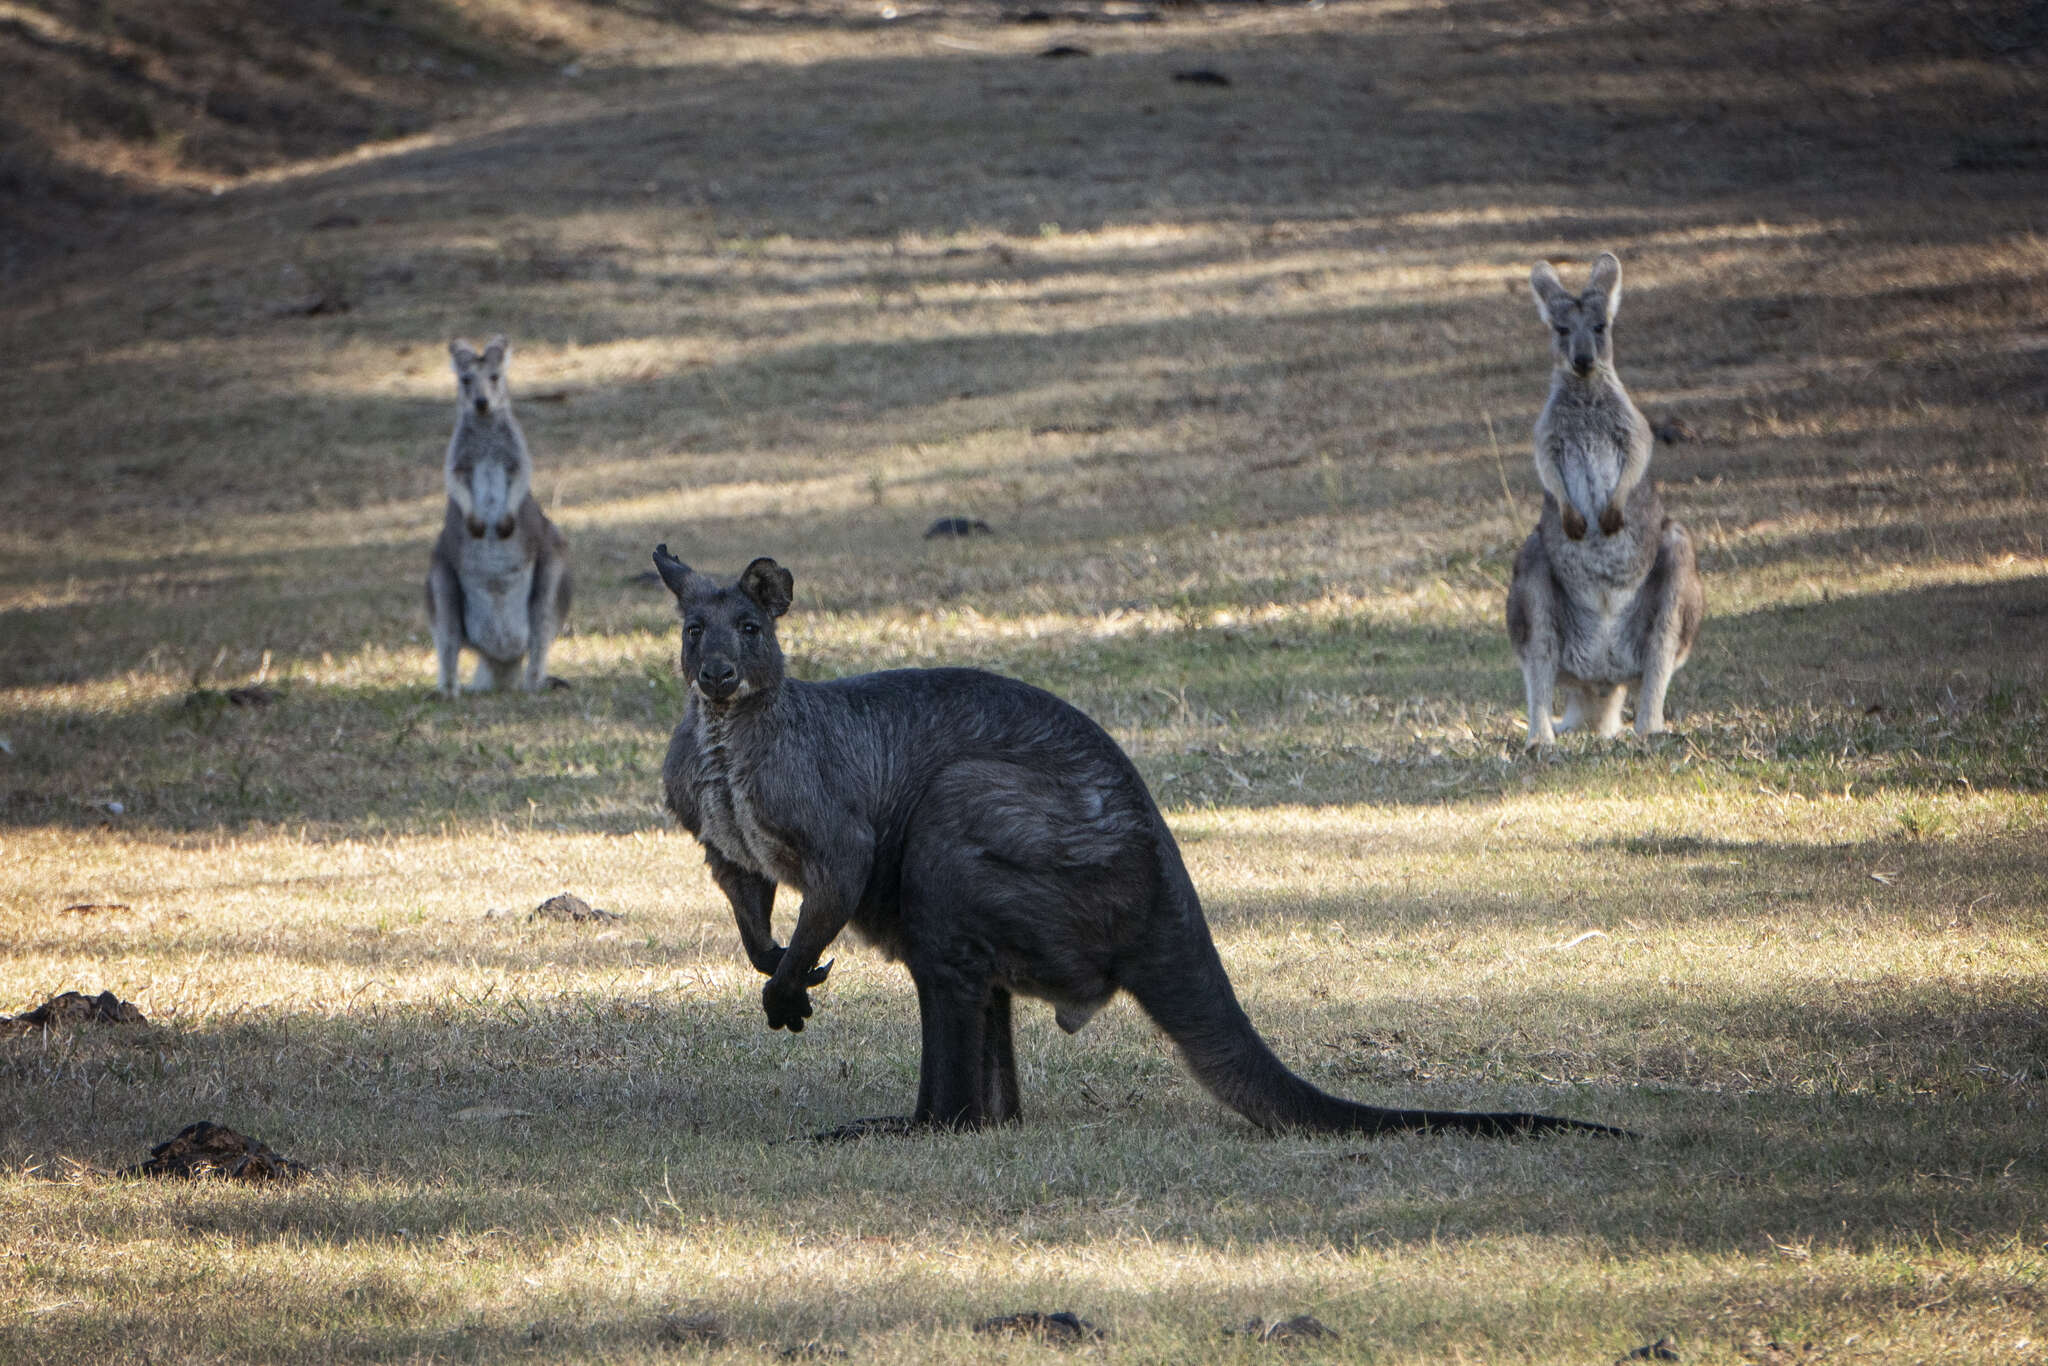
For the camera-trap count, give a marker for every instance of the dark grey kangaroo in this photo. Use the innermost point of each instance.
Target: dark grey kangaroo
(1606, 591)
(982, 832)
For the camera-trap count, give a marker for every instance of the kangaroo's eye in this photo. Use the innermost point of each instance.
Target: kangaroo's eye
(750, 628)
(1599, 329)
(693, 633)
(1564, 331)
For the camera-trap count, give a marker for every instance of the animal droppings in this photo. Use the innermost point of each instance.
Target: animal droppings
(205, 1150)
(75, 1008)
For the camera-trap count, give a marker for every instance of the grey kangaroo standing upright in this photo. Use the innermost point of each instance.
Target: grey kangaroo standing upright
(499, 578)
(985, 834)
(1606, 592)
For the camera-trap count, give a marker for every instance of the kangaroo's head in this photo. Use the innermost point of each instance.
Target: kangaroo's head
(730, 652)
(480, 377)
(1580, 340)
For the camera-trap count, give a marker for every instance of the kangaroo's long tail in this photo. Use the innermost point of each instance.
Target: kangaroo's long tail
(1179, 980)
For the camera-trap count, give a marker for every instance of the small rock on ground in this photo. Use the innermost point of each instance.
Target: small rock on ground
(1301, 1328)
(1061, 1327)
(207, 1149)
(690, 1330)
(569, 906)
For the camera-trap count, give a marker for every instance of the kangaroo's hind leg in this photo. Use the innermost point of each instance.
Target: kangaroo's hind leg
(999, 1104)
(444, 615)
(961, 1065)
(1677, 603)
(1534, 624)
(1608, 697)
(547, 607)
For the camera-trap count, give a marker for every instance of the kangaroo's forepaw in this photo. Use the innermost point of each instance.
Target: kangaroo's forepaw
(786, 1004)
(1610, 520)
(1574, 524)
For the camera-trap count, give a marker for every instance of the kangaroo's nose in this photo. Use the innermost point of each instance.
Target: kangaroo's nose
(483, 405)
(717, 676)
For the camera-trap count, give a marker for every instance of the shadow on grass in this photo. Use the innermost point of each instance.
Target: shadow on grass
(1825, 1116)
(1920, 690)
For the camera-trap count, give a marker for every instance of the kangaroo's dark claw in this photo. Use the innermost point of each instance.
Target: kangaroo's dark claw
(768, 962)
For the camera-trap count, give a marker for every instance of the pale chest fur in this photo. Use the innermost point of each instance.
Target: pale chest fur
(497, 581)
(729, 813)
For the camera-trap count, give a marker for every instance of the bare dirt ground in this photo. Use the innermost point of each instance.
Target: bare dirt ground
(1240, 370)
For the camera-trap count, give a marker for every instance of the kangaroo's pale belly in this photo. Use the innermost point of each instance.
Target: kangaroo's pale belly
(497, 581)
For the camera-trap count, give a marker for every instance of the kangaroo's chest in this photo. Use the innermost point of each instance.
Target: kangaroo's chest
(730, 815)
(497, 581)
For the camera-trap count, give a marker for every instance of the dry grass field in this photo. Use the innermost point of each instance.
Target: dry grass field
(1242, 376)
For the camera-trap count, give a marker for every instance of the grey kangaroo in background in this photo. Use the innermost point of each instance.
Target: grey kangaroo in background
(1606, 592)
(498, 581)
(980, 831)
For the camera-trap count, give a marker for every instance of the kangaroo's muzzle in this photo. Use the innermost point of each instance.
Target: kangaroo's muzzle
(718, 680)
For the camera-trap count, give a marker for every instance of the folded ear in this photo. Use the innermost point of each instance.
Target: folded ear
(769, 585)
(497, 349)
(673, 571)
(1606, 281)
(463, 354)
(1547, 288)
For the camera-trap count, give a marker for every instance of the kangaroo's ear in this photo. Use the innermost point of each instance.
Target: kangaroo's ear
(463, 354)
(497, 350)
(1606, 281)
(673, 571)
(769, 585)
(1547, 288)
